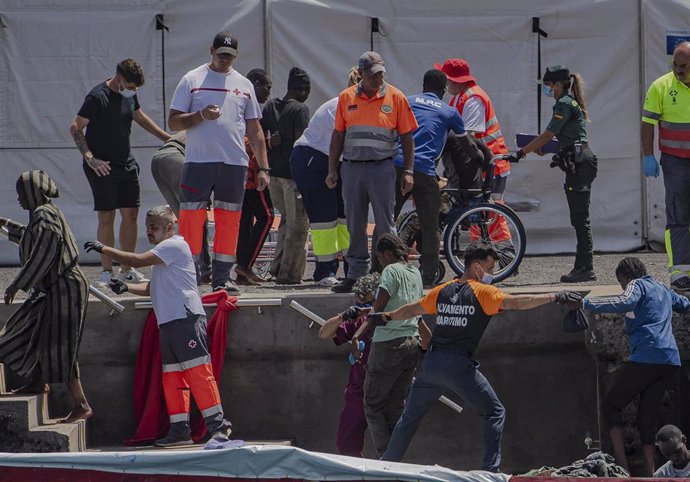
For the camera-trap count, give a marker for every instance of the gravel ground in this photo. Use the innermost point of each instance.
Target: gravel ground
(534, 271)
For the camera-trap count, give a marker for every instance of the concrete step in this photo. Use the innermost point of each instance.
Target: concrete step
(3, 383)
(25, 426)
(25, 411)
(70, 436)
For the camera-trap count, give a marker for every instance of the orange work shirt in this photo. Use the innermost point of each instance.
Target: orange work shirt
(373, 125)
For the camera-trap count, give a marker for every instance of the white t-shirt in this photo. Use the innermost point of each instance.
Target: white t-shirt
(473, 113)
(318, 133)
(669, 471)
(220, 140)
(173, 283)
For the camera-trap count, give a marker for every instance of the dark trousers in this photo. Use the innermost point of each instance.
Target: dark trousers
(578, 187)
(255, 224)
(450, 370)
(677, 186)
(325, 209)
(649, 381)
(427, 200)
(390, 369)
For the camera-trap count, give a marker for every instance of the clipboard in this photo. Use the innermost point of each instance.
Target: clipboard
(551, 147)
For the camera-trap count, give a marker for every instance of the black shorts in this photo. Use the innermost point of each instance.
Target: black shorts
(119, 189)
(647, 380)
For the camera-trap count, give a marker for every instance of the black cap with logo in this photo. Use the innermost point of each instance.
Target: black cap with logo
(225, 43)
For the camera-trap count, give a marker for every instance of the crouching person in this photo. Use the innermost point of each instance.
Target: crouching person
(352, 423)
(182, 323)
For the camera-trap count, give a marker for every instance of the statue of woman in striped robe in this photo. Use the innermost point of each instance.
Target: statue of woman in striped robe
(41, 339)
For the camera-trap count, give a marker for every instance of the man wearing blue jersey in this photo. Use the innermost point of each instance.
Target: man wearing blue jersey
(654, 359)
(435, 119)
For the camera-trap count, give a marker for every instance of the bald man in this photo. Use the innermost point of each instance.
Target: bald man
(671, 442)
(668, 105)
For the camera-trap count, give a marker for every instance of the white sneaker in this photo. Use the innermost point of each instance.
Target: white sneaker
(330, 281)
(223, 443)
(131, 276)
(229, 286)
(104, 279)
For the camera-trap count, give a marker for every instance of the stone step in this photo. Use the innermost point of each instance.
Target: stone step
(70, 436)
(25, 426)
(3, 383)
(24, 411)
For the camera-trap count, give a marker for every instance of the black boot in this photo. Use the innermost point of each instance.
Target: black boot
(578, 275)
(345, 286)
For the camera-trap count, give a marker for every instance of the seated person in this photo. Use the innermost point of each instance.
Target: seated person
(462, 170)
(671, 442)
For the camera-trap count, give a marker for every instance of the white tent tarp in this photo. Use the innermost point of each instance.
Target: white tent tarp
(53, 52)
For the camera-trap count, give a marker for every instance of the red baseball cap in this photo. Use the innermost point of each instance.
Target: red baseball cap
(457, 70)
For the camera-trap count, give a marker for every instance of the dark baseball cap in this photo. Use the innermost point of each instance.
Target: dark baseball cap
(225, 43)
(555, 73)
(372, 63)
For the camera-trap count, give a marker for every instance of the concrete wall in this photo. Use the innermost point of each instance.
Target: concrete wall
(281, 382)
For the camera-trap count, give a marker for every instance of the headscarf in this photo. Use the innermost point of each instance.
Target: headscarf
(37, 187)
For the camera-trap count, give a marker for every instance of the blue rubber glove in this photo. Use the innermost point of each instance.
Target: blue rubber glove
(651, 166)
(351, 357)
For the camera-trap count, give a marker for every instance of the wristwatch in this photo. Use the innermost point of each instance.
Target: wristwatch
(408, 171)
(267, 170)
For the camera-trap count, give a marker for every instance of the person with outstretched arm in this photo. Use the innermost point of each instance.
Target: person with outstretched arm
(463, 309)
(654, 359)
(182, 322)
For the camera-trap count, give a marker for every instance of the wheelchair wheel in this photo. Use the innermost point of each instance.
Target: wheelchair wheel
(495, 224)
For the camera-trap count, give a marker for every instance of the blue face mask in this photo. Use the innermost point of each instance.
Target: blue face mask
(485, 278)
(546, 90)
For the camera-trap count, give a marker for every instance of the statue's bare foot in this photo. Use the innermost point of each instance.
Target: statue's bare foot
(80, 413)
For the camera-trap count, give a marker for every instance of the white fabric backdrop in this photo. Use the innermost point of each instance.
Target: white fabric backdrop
(53, 52)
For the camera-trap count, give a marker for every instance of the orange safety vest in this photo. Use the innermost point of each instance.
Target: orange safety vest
(492, 137)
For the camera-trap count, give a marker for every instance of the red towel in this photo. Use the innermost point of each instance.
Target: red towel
(149, 404)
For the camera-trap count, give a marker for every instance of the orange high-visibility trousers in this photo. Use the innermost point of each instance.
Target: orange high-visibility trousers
(226, 183)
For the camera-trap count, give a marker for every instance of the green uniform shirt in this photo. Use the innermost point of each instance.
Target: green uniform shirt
(403, 282)
(667, 99)
(568, 121)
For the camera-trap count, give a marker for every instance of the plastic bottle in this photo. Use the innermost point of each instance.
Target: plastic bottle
(351, 357)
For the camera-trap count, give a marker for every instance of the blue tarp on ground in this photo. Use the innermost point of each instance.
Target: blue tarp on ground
(251, 461)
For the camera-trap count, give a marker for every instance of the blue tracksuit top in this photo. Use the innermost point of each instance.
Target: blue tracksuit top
(435, 118)
(648, 306)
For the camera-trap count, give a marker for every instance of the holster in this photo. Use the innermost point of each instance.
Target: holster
(568, 158)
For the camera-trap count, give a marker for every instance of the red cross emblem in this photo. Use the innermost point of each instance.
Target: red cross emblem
(236, 92)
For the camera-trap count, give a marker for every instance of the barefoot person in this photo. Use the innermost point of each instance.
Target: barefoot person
(41, 339)
(182, 322)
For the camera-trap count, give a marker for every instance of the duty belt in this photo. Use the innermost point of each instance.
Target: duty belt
(451, 349)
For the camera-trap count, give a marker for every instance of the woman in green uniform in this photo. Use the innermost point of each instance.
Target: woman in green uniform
(575, 158)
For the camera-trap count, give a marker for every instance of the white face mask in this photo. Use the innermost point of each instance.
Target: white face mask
(127, 93)
(485, 278)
